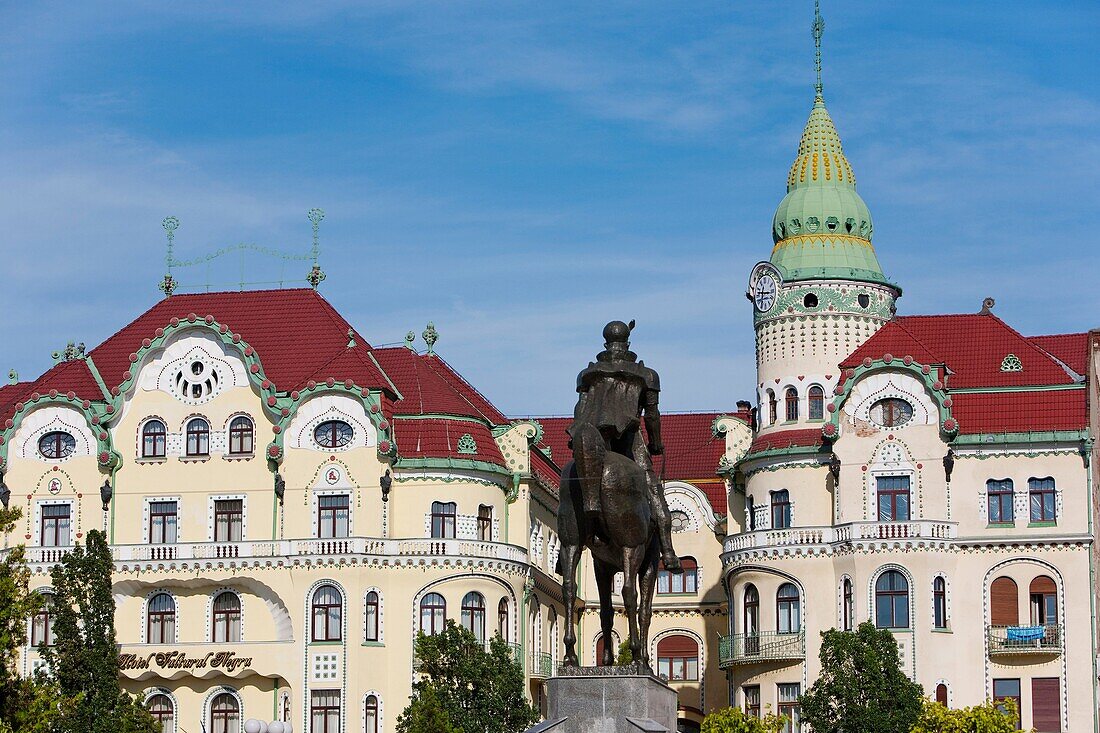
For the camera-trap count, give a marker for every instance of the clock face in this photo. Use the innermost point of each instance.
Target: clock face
(763, 293)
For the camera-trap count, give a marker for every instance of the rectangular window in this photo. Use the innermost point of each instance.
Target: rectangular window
(678, 669)
(324, 711)
(56, 525)
(893, 498)
(443, 519)
(685, 582)
(162, 522)
(999, 498)
(781, 509)
(332, 516)
(788, 706)
(1008, 689)
(752, 700)
(228, 520)
(1046, 705)
(485, 523)
(1041, 491)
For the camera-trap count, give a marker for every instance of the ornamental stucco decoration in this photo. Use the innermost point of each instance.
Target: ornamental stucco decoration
(467, 445)
(831, 302)
(949, 426)
(1011, 363)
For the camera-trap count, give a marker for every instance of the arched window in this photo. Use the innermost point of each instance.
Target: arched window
(198, 437)
(849, 603)
(56, 445)
(327, 614)
(1042, 499)
(817, 402)
(1044, 601)
(941, 694)
(536, 626)
(370, 717)
(161, 620)
(502, 618)
(552, 621)
(161, 708)
(473, 614)
(892, 601)
(601, 645)
(373, 615)
(772, 408)
(154, 439)
(788, 611)
(42, 623)
(685, 582)
(790, 401)
(939, 603)
(752, 610)
(225, 714)
(241, 433)
(433, 614)
(1003, 603)
(333, 434)
(444, 515)
(678, 658)
(781, 509)
(227, 617)
(680, 521)
(750, 513)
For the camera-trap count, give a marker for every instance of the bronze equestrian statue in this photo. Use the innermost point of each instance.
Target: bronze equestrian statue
(611, 501)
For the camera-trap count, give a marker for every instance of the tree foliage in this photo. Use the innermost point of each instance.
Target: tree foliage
(84, 659)
(466, 688)
(989, 717)
(861, 687)
(733, 720)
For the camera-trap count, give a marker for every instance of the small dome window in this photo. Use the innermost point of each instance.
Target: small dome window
(333, 434)
(197, 382)
(832, 223)
(780, 230)
(864, 229)
(810, 301)
(812, 224)
(849, 225)
(864, 300)
(56, 445)
(796, 226)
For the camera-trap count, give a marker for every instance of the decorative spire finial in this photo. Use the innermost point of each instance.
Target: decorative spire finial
(818, 29)
(168, 284)
(430, 337)
(316, 275)
(409, 338)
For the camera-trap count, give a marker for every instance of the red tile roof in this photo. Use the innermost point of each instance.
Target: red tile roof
(429, 385)
(691, 451)
(438, 438)
(295, 332)
(803, 438)
(1020, 412)
(971, 345)
(1072, 349)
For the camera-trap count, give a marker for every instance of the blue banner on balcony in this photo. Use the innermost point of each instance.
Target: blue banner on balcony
(1026, 633)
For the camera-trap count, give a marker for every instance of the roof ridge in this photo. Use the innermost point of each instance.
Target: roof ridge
(473, 389)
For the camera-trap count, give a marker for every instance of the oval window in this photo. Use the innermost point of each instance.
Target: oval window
(57, 444)
(891, 412)
(333, 434)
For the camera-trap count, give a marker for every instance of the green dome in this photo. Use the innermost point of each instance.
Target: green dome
(822, 228)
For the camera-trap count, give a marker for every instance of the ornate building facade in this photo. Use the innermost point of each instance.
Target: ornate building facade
(930, 474)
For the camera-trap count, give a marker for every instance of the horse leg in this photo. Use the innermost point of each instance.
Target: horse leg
(605, 580)
(631, 561)
(647, 582)
(569, 557)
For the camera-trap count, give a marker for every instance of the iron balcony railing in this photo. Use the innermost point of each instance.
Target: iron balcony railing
(1039, 639)
(764, 646)
(542, 665)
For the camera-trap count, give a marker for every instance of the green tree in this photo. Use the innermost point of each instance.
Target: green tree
(17, 604)
(988, 717)
(733, 720)
(465, 688)
(626, 656)
(84, 659)
(861, 687)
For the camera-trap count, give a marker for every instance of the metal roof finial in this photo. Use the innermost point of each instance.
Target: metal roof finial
(316, 275)
(818, 29)
(168, 284)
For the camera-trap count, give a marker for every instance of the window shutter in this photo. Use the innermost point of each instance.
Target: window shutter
(1004, 609)
(677, 646)
(1046, 705)
(1043, 584)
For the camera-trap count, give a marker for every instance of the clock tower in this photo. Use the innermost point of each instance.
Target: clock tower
(822, 293)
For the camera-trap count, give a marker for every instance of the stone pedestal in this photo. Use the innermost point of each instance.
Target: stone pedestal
(608, 700)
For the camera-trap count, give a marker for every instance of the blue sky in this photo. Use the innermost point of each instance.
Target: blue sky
(520, 173)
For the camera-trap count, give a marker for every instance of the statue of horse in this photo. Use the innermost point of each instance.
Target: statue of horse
(627, 543)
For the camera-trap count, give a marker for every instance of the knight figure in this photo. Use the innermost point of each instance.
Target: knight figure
(616, 392)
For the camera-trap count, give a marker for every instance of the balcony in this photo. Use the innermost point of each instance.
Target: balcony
(765, 646)
(1021, 640)
(841, 534)
(541, 666)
